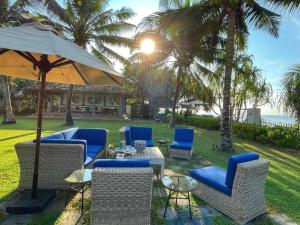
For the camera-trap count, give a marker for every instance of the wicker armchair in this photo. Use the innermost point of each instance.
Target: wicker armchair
(182, 146)
(57, 161)
(247, 200)
(121, 196)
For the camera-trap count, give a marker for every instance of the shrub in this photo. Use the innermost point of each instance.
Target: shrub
(278, 136)
(206, 122)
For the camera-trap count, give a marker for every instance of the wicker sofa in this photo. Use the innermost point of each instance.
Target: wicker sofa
(121, 192)
(60, 155)
(244, 199)
(182, 146)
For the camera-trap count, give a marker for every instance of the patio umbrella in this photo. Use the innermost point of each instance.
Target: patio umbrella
(38, 52)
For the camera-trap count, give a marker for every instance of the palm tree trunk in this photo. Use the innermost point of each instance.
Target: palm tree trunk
(68, 118)
(173, 115)
(8, 114)
(226, 141)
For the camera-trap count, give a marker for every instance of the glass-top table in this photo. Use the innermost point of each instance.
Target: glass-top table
(80, 177)
(80, 181)
(179, 185)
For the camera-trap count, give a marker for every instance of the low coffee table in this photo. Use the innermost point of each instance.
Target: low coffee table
(179, 185)
(80, 181)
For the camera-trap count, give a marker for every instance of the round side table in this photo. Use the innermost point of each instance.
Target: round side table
(80, 181)
(164, 143)
(179, 185)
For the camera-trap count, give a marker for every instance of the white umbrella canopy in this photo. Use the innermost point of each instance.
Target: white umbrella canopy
(37, 52)
(21, 47)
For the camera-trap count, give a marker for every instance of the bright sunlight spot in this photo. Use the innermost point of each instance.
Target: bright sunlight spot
(148, 46)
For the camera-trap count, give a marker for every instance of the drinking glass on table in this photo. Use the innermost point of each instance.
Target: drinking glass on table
(123, 144)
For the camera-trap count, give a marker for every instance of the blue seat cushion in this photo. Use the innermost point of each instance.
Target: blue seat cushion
(182, 145)
(95, 148)
(92, 154)
(121, 163)
(234, 161)
(87, 161)
(212, 176)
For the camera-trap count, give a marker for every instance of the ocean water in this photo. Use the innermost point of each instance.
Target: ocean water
(285, 119)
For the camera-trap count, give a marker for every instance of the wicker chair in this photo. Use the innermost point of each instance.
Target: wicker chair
(182, 146)
(121, 196)
(247, 200)
(57, 161)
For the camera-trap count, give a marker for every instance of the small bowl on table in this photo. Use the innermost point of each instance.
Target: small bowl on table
(140, 145)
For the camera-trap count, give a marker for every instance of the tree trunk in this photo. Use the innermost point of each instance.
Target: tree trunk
(173, 115)
(68, 118)
(226, 141)
(8, 114)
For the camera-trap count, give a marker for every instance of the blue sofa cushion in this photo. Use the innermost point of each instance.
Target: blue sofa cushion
(92, 136)
(212, 176)
(88, 161)
(92, 154)
(149, 143)
(128, 136)
(184, 135)
(57, 136)
(68, 134)
(121, 163)
(182, 145)
(232, 165)
(95, 148)
(140, 133)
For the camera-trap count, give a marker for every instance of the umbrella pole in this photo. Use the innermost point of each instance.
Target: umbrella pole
(38, 135)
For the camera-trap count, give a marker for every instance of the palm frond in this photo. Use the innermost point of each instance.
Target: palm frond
(262, 18)
(113, 40)
(100, 56)
(115, 28)
(109, 53)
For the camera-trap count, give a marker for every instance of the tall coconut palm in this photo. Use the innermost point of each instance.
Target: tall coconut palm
(185, 37)
(290, 96)
(91, 25)
(12, 13)
(237, 16)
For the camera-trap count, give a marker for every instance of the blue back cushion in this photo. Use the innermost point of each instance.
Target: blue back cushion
(92, 136)
(128, 136)
(68, 134)
(234, 161)
(56, 136)
(121, 163)
(184, 134)
(140, 133)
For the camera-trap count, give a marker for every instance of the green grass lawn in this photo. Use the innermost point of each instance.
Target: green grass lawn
(283, 182)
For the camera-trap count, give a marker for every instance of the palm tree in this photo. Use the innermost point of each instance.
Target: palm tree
(11, 14)
(290, 96)
(90, 25)
(179, 39)
(235, 16)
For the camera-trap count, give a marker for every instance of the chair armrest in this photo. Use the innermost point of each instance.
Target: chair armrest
(69, 141)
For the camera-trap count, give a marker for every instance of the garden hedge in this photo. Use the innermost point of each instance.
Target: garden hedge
(284, 137)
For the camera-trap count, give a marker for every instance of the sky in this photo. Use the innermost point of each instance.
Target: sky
(274, 56)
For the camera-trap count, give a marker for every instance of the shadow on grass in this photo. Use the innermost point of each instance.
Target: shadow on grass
(15, 137)
(9, 196)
